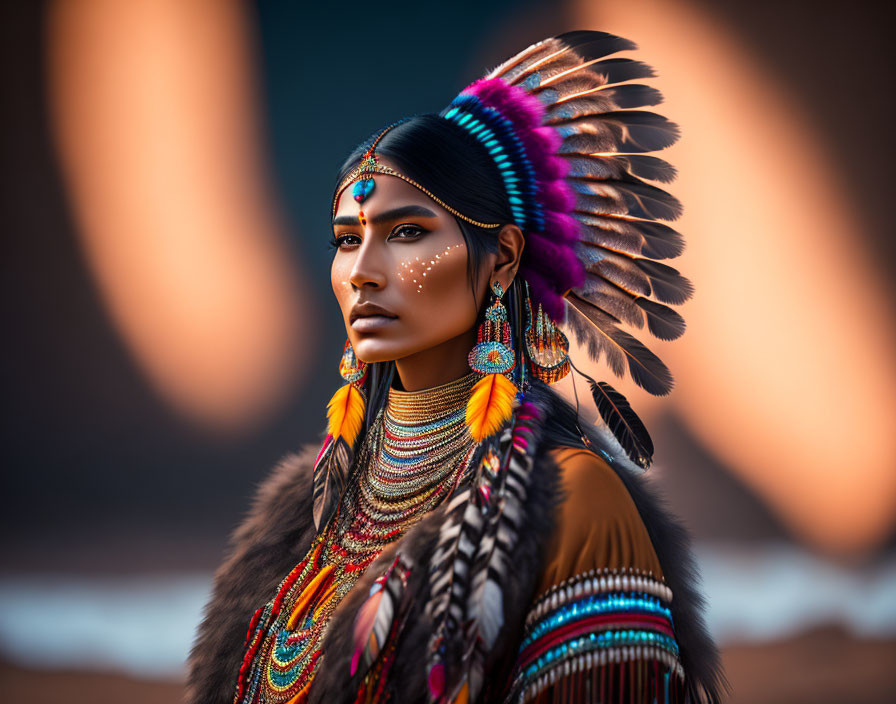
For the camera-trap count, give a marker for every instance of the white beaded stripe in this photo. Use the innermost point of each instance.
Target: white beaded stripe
(591, 660)
(597, 582)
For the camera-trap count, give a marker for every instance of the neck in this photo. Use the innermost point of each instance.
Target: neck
(437, 365)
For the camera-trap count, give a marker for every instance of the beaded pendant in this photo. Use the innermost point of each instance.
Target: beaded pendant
(492, 353)
(362, 189)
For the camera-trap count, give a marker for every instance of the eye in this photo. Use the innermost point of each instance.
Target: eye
(407, 232)
(344, 241)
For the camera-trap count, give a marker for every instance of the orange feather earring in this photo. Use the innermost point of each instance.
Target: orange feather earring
(491, 402)
(345, 411)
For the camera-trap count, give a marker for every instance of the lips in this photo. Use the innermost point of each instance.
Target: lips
(367, 317)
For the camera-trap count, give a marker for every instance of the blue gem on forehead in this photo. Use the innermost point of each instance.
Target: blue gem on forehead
(362, 189)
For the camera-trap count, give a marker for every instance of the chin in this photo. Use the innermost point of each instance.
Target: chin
(371, 349)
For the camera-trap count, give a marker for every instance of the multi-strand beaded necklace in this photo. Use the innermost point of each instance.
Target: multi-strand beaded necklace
(415, 454)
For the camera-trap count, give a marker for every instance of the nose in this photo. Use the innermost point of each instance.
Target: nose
(368, 269)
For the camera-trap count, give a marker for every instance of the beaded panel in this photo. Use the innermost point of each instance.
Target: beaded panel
(590, 627)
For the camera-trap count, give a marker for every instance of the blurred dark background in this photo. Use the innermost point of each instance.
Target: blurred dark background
(136, 425)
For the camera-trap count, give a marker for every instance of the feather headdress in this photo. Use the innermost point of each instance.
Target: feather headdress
(565, 124)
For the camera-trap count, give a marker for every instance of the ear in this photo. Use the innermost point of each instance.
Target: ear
(510, 249)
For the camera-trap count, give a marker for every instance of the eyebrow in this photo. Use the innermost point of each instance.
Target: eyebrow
(394, 214)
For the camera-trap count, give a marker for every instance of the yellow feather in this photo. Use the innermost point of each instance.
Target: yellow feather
(345, 413)
(490, 404)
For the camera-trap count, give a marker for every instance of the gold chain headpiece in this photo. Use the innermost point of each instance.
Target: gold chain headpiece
(364, 186)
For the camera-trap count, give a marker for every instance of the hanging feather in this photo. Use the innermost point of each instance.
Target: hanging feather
(374, 620)
(451, 673)
(345, 416)
(345, 413)
(328, 478)
(508, 469)
(485, 611)
(490, 405)
(449, 570)
(623, 422)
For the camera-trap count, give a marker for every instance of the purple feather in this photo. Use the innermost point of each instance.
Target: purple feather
(556, 167)
(551, 266)
(565, 227)
(514, 103)
(555, 195)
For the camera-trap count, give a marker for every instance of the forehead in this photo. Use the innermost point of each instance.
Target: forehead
(388, 192)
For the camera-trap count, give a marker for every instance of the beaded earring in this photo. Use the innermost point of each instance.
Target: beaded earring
(350, 367)
(491, 402)
(546, 345)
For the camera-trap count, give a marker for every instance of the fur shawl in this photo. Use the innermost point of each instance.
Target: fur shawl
(278, 532)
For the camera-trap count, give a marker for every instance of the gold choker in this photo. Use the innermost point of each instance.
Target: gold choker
(427, 405)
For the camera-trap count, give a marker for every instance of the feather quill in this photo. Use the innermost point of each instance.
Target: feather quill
(623, 422)
(597, 329)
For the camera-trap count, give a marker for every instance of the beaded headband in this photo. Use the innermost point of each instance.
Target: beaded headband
(364, 186)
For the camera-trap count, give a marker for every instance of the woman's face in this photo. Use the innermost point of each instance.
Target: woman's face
(401, 278)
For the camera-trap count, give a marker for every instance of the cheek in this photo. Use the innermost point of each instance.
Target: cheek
(436, 274)
(436, 287)
(339, 280)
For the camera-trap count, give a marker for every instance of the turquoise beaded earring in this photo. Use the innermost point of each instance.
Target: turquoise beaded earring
(491, 402)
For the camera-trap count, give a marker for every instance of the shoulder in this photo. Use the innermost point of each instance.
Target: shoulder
(282, 500)
(597, 523)
(271, 539)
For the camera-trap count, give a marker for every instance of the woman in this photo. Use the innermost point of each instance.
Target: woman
(460, 536)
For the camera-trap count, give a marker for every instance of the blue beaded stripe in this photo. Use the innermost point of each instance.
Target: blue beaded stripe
(453, 417)
(596, 604)
(496, 133)
(592, 642)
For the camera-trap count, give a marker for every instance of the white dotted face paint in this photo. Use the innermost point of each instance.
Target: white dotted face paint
(416, 269)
